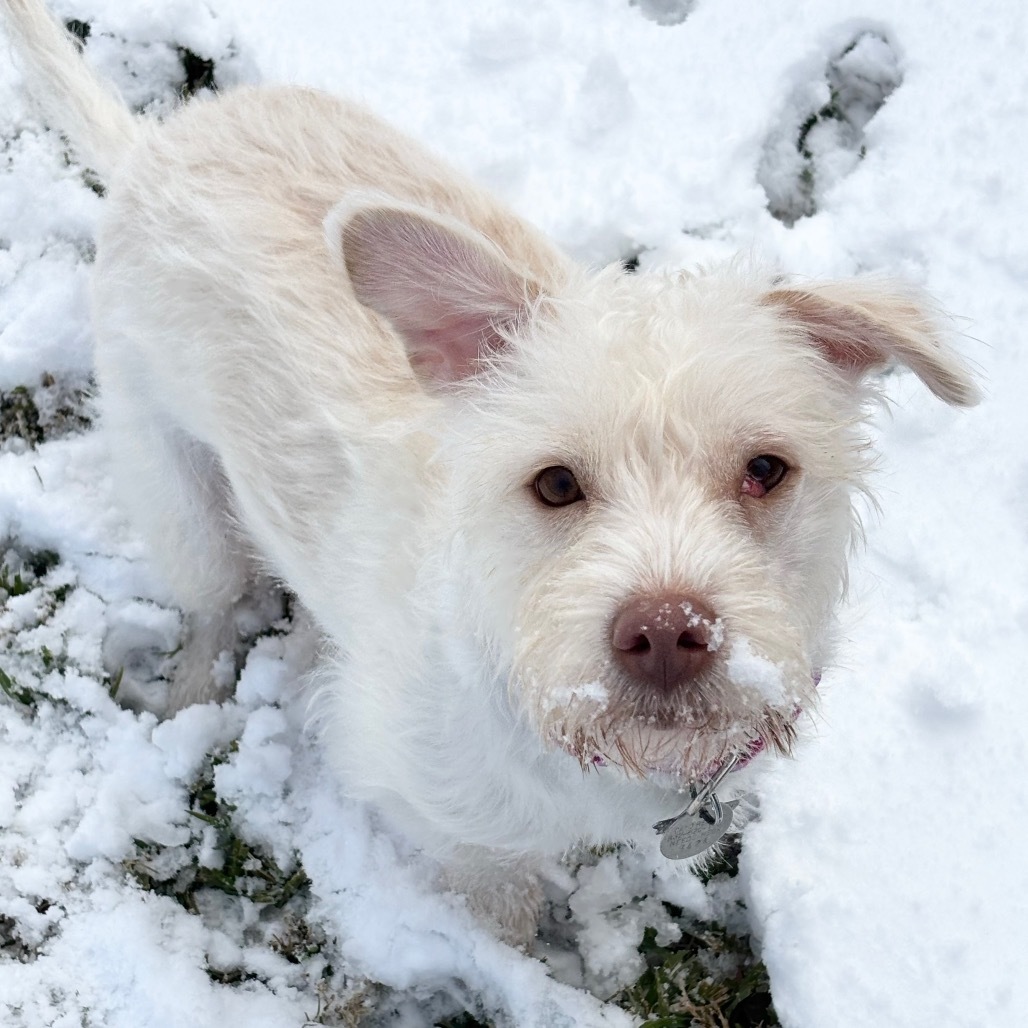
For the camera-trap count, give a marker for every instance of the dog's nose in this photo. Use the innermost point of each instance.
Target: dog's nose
(665, 641)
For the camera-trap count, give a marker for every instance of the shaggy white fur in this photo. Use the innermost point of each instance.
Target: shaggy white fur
(325, 357)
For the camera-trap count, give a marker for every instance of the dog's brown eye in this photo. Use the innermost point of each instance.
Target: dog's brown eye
(763, 473)
(558, 487)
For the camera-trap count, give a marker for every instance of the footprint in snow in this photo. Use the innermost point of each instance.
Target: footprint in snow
(820, 138)
(664, 12)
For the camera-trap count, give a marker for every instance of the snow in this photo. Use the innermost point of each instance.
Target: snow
(884, 879)
(749, 669)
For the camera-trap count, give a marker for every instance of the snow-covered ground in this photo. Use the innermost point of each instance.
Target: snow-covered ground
(885, 879)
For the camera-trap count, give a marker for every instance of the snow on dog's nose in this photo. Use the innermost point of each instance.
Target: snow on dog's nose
(665, 642)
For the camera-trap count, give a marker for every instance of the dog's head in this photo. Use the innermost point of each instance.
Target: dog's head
(647, 480)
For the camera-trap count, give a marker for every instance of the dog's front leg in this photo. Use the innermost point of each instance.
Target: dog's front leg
(207, 665)
(504, 892)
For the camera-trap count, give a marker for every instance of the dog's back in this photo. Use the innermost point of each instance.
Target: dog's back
(236, 366)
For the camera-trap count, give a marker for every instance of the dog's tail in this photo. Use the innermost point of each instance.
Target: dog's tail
(87, 110)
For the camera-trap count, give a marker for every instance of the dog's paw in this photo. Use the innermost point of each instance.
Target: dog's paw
(820, 138)
(207, 665)
(140, 638)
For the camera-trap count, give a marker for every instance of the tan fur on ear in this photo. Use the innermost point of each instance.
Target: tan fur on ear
(862, 325)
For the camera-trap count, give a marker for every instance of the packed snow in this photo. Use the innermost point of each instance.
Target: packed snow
(747, 668)
(884, 881)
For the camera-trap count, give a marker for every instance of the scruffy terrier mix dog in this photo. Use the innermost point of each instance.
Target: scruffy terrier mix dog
(576, 536)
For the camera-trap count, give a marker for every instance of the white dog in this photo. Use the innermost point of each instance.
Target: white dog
(577, 537)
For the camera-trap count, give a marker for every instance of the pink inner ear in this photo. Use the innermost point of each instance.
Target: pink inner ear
(850, 352)
(862, 325)
(451, 351)
(845, 336)
(446, 289)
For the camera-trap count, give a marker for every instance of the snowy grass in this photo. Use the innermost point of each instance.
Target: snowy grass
(33, 588)
(712, 982)
(48, 410)
(214, 873)
(710, 977)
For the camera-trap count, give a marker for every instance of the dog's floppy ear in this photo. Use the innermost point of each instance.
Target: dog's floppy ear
(863, 325)
(446, 289)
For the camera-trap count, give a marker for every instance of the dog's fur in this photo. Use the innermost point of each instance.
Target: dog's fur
(325, 356)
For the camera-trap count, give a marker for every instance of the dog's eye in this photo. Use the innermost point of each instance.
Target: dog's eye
(557, 487)
(763, 473)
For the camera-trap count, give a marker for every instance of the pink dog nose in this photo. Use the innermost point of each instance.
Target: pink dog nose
(665, 641)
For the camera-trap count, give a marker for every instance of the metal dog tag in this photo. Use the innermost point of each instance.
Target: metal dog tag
(704, 822)
(688, 835)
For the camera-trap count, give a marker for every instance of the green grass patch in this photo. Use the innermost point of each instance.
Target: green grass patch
(19, 417)
(49, 409)
(242, 871)
(709, 979)
(242, 868)
(24, 572)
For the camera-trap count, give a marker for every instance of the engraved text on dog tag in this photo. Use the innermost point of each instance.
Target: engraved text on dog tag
(703, 822)
(690, 834)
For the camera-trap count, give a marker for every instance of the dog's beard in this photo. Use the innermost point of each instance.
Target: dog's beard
(683, 749)
(685, 733)
(579, 696)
